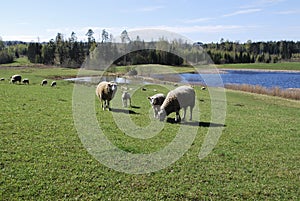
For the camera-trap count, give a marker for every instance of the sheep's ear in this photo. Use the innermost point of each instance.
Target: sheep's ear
(148, 98)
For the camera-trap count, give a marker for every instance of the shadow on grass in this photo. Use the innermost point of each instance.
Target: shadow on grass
(135, 107)
(195, 123)
(125, 111)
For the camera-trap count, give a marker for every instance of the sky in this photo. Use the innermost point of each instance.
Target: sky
(195, 20)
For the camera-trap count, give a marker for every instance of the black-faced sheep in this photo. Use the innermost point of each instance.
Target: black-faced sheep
(125, 98)
(181, 97)
(53, 83)
(105, 91)
(16, 78)
(25, 81)
(44, 82)
(156, 101)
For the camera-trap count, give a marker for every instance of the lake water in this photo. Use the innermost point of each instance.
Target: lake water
(267, 79)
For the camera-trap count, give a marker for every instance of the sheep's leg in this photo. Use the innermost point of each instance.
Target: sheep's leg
(184, 113)
(191, 113)
(108, 106)
(102, 104)
(177, 117)
(129, 102)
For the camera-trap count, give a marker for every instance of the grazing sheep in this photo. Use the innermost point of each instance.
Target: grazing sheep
(126, 97)
(44, 82)
(2, 79)
(203, 88)
(16, 78)
(25, 81)
(156, 101)
(53, 83)
(105, 91)
(181, 97)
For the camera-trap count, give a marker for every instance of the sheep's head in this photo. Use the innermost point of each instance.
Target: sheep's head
(151, 99)
(162, 114)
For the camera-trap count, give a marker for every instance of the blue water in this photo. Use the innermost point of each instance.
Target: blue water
(263, 78)
(267, 79)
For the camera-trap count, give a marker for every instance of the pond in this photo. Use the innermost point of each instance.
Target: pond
(267, 79)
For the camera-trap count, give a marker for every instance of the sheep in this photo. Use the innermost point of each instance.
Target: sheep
(2, 79)
(156, 101)
(105, 91)
(181, 97)
(25, 81)
(44, 82)
(16, 78)
(53, 83)
(126, 97)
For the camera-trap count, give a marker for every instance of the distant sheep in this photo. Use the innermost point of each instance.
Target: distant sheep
(16, 78)
(44, 82)
(105, 91)
(53, 83)
(2, 79)
(156, 101)
(125, 98)
(181, 97)
(25, 81)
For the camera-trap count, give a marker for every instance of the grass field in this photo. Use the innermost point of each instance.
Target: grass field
(42, 157)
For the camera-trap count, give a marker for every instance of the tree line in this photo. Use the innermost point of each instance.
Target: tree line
(253, 52)
(69, 52)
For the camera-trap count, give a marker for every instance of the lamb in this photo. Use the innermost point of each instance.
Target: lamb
(181, 97)
(53, 83)
(44, 82)
(105, 91)
(156, 101)
(16, 78)
(126, 97)
(25, 81)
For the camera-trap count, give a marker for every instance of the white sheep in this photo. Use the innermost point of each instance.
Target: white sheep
(125, 98)
(105, 91)
(25, 81)
(44, 82)
(181, 97)
(156, 101)
(16, 78)
(53, 83)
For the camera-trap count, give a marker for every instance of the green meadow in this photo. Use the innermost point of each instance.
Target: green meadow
(257, 157)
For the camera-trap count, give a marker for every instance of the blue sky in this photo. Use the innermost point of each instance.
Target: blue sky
(205, 21)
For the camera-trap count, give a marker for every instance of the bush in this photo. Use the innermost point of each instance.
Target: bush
(6, 57)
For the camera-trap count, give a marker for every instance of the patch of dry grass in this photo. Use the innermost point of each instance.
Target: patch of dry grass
(293, 93)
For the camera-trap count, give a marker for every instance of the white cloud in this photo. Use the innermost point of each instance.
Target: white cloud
(262, 3)
(150, 8)
(242, 12)
(288, 12)
(197, 20)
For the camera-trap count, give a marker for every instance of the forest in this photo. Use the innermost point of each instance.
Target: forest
(69, 52)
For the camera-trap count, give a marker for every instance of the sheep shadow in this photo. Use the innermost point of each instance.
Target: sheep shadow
(136, 107)
(195, 123)
(125, 111)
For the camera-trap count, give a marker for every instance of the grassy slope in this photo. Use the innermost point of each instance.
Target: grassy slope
(42, 156)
